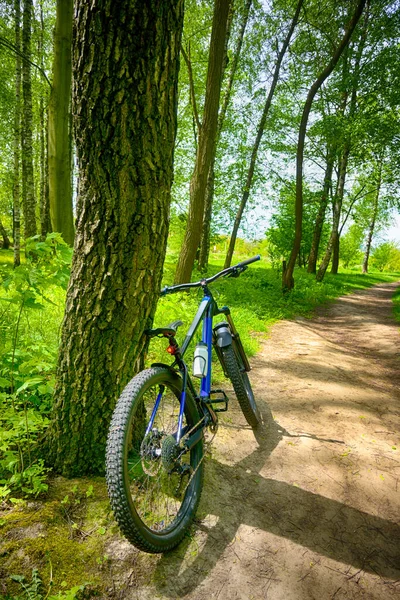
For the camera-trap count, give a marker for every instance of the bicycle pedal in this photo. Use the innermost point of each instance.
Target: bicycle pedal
(223, 399)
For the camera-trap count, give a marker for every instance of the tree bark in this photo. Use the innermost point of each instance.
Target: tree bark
(287, 277)
(373, 220)
(337, 208)
(260, 131)
(209, 199)
(45, 226)
(126, 62)
(60, 190)
(207, 141)
(28, 188)
(17, 139)
(6, 239)
(319, 222)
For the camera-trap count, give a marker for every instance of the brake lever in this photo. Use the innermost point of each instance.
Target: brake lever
(237, 271)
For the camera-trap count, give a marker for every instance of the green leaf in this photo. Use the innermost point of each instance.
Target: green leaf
(29, 383)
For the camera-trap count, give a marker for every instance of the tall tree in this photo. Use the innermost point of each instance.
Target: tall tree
(17, 137)
(207, 141)
(319, 222)
(28, 187)
(287, 275)
(371, 227)
(59, 134)
(125, 61)
(260, 131)
(45, 224)
(334, 241)
(205, 234)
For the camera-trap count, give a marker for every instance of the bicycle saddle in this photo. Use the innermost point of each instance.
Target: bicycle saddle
(168, 332)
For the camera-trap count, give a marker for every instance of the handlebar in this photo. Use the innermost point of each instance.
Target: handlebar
(234, 271)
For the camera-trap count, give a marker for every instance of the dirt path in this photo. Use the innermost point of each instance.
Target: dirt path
(311, 508)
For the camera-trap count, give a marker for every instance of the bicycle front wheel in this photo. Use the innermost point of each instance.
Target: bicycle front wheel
(241, 384)
(154, 486)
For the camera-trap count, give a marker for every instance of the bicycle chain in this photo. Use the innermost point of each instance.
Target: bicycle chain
(205, 450)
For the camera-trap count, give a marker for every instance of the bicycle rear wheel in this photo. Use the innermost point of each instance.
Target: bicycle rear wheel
(154, 492)
(241, 384)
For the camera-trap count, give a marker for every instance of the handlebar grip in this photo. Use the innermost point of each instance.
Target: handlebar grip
(250, 260)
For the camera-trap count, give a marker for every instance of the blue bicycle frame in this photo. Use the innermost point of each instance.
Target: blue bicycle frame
(207, 310)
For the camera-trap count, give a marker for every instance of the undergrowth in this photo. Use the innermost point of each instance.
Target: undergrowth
(31, 305)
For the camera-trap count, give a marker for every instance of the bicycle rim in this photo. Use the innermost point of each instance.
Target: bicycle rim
(159, 494)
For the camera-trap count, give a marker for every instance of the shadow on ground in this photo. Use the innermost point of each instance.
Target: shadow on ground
(238, 495)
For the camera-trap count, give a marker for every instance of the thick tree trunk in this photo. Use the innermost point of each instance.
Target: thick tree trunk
(260, 131)
(207, 141)
(209, 199)
(28, 188)
(126, 61)
(319, 222)
(17, 139)
(287, 278)
(373, 221)
(60, 190)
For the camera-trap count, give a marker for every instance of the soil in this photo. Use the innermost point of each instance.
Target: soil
(308, 507)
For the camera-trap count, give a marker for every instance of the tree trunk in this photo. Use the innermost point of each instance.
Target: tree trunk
(207, 141)
(334, 241)
(373, 220)
(287, 279)
(337, 208)
(45, 226)
(260, 131)
(28, 189)
(209, 199)
(60, 190)
(6, 239)
(17, 139)
(319, 222)
(335, 256)
(126, 62)
(205, 234)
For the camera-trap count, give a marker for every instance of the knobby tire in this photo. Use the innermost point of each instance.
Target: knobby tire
(241, 385)
(141, 489)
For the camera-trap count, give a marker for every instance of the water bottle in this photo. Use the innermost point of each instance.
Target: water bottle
(200, 361)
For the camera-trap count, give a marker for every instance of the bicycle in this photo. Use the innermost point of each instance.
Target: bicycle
(155, 447)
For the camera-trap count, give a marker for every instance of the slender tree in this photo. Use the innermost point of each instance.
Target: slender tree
(59, 134)
(207, 141)
(319, 222)
(287, 274)
(17, 137)
(205, 234)
(28, 187)
(125, 60)
(334, 240)
(45, 225)
(374, 215)
(260, 131)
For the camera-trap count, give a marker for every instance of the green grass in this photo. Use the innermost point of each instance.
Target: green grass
(396, 304)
